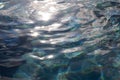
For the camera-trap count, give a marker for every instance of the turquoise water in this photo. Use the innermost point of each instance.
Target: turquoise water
(59, 39)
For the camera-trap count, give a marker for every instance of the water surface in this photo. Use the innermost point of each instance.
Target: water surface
(59, 39)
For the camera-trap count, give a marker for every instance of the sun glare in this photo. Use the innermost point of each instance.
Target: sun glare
(45, 16)
(35, 34)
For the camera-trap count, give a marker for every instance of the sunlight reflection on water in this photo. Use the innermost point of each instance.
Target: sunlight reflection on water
(59, 33)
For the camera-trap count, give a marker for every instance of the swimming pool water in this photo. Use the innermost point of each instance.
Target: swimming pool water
(59, 39)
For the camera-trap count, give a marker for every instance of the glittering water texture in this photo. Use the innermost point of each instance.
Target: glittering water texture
(59, 39)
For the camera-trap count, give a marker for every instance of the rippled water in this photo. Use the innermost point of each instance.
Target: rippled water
(59, 39)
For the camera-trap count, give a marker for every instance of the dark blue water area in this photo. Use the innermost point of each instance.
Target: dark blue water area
(7, 71)
(59, 40)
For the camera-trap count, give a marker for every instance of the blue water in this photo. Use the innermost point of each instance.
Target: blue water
(59, 39)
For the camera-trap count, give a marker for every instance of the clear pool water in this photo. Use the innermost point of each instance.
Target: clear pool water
(59, 39)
